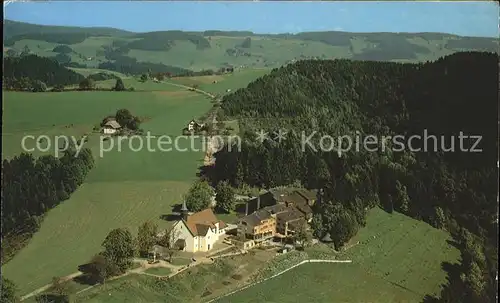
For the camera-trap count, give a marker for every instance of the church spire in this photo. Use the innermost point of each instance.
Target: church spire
(184, 210)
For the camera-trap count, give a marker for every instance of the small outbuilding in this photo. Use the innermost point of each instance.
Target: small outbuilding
(111, 127)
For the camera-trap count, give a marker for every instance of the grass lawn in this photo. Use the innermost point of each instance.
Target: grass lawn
(398, 260)
(76, 113)
(325, 283)
(238, 79)
(181, 261)
(149, 85)
(124, 189)
(90, 71)
(160, 271)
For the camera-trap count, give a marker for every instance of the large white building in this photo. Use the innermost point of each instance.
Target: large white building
(198, 231)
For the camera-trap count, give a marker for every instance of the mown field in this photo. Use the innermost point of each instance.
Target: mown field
(124, 189)
(398, 259)
(238, 79)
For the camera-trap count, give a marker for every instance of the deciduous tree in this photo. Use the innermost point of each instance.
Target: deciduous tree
(146, 237)
(224, 197)
(303, 236)
(119, 86)
(168, 240)
(87, 84)
(119, 248)
(199, 196)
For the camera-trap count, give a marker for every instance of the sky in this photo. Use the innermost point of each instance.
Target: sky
(461, 18)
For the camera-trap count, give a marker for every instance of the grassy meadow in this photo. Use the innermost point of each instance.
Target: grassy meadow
(398, 259)
(124, 189)
(239, 79)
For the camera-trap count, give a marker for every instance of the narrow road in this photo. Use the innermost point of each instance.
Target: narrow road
(191, 88)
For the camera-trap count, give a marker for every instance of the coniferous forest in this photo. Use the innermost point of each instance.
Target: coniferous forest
(35, 68)
(452, 187)
(31, 187)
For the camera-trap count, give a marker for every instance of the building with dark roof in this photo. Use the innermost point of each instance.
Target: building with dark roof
(284, 209)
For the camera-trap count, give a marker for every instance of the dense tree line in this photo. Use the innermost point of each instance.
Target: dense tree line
(35, 68)
(103, 76)
(228, 33)
(62, 58)
(15, 28)
(59, 38)
(452, 190)
(74, 64)
(128, 65)
(31, 187)
(163, 40)
(62, 49)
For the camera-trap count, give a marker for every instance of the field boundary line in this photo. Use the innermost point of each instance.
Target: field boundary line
(191, 89)
(279, 274)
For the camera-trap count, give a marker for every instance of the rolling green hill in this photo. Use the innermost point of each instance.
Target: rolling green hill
(98, 47)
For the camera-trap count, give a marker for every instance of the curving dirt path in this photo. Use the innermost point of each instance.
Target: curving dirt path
(176, 269)
(191, 89)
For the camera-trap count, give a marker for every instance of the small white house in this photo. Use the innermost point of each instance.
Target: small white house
(192, 125)
(111, 127)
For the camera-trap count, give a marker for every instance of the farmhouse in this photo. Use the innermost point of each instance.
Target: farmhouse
(193, 125)
(260, 225)
(301, 199)
(300, 203)
(198, 231)
(111, 127)
(288, 222)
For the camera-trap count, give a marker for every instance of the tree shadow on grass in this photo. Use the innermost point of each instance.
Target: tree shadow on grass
(52, 298)
(453, 289)
(455, 244)
(208, 173)
(86, 278)
(170, 217)
(240, 208)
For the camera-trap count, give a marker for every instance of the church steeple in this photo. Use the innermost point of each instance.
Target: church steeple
(184, 210)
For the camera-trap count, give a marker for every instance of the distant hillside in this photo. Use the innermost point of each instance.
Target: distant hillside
(14, 28)
(213, 49)
(37, 68)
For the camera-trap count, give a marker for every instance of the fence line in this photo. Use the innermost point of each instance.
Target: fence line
(280, 273)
